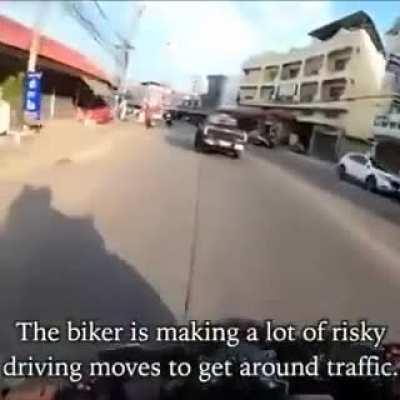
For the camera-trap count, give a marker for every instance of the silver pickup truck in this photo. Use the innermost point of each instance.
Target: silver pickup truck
(220, 132)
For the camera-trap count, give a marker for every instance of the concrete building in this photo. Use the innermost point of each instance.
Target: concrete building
(216, 86)
(230, 91)
(386, 128)
(69, 78)
(334, 86)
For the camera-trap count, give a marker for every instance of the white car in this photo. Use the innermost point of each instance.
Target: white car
(366, 170)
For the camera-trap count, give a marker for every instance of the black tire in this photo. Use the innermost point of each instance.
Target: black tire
(270, 144)
(236, 154)
(198, 142)
(342, 172)
(370, 184)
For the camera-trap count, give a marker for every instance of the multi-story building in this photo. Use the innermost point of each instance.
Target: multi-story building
(386, 127)
(334, 86)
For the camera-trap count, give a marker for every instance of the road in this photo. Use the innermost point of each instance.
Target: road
(157, 233)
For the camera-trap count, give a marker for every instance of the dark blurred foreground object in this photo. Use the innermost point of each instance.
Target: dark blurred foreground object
(168, 118)
(34, 389)
(260, 387)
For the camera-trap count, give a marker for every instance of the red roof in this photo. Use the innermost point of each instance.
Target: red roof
(17, 35)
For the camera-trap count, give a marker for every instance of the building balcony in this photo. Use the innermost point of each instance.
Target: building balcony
(308, 92)
(270, 73)
(338, 60)
(291, 70)
(248, 93)
(387, 126)
(249, 80)
(267, 93)
(333, 90)
(251, 76)
(313, 66)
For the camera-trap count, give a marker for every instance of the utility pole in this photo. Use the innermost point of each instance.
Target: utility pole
(34, 50)
(31, 94)
(127, 47)
(42, 12)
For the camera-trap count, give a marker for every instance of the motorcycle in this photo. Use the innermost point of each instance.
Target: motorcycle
(265, 138)
(258, 386)
(234, 385)
(168, 118)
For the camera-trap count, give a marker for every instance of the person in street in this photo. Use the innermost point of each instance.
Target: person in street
(147, 115)
(123, 109)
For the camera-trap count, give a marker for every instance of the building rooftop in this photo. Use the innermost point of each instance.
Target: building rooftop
(19, 36)
(148, 83)
(358, 20)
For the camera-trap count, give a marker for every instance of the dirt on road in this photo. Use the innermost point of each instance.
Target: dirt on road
(59, 141)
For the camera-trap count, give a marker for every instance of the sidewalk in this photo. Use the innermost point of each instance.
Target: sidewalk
(59, 141)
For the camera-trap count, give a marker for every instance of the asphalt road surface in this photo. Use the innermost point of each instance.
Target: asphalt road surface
(158, 233)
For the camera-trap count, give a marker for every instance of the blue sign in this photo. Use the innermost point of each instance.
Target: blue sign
(33, 95)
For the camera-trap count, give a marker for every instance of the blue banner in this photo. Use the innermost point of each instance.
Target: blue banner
(33, 95)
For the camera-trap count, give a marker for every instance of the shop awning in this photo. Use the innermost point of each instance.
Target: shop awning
(98, 88)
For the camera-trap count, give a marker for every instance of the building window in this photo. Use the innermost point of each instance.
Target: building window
(308, 91)
(291, 70)
(307, 113)
(267, 92)
(395, 108)
(333, 90)
(313, 65)
(381, 121)
(286, 92)
(248, 93)
(252, 73)
(393, 125)
(270, 73)
(340, 65)
(338, 59)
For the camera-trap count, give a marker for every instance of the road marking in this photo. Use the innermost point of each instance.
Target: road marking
(193, 247)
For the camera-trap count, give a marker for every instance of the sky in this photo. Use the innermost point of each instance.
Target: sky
(177, 40)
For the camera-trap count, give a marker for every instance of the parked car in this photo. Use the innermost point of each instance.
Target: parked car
(96, 110)
(220, 132)
(368, 171)
(100, 115)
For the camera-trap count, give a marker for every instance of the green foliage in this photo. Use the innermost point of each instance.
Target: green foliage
(13, 87)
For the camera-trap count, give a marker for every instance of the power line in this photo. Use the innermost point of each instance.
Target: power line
(119, 47)
(105, 17)
(76, 11)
